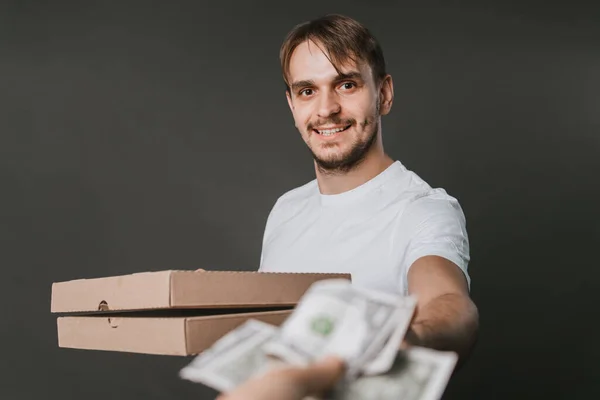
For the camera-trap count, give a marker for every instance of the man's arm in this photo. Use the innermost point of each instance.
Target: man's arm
(446, 318)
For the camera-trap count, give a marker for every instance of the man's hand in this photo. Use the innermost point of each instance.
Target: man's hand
(290, 383)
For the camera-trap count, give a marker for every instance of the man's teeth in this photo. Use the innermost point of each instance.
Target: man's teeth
(328, 132)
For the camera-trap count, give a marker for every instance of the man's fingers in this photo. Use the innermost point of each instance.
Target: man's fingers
(322, 375)
(290, 382)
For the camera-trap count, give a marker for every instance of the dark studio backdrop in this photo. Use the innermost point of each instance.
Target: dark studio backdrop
(156, 135)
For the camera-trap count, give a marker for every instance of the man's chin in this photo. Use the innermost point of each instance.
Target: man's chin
(333, 164)
(329, 158)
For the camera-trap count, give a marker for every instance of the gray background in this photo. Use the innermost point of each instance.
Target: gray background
(155, 135)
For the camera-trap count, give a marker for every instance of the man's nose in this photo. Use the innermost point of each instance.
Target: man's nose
(328, 105)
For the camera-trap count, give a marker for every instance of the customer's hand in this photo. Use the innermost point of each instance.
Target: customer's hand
(290, 383)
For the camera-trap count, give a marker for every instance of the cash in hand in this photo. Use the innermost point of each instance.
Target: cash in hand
(362, 327)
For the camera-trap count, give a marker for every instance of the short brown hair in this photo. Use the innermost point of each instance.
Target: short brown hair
(343, 39)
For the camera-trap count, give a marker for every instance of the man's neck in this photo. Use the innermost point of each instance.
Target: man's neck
(337, 183)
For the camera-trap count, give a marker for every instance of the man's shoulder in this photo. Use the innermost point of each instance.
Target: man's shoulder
(294, 199)
(288, 204)
(415, 191)
(432, 206)
(298, 194)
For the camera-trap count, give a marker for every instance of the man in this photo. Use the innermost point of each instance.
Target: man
(365, 213)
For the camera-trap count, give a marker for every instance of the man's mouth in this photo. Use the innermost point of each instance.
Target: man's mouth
(330, 131)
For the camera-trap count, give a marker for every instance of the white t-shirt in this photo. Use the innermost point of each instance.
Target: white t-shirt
(374, 232)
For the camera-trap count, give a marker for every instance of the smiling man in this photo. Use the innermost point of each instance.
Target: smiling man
(365, 213)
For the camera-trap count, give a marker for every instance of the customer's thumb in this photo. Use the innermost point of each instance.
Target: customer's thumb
(323, 375)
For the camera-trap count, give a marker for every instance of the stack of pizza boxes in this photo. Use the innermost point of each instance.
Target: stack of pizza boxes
(171, 312)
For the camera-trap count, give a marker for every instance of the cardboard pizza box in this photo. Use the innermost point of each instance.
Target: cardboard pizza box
(172, 312)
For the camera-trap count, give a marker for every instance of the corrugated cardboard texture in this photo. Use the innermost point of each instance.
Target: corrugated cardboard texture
(234, 289)
(161, 336)
(183, 289)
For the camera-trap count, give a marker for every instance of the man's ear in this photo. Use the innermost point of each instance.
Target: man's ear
(386, 95)
(289, 100)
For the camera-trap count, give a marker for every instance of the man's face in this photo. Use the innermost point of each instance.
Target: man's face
(337, 115)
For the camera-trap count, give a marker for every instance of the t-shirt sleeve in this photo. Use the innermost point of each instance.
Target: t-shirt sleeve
(271, 221)
(434, 225)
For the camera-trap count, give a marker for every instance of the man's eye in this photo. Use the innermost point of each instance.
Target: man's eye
(348, 85)
(306, 92)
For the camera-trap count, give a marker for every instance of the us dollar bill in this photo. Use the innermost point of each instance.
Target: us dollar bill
(234, 358)
(417, 374)
(364, 328)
